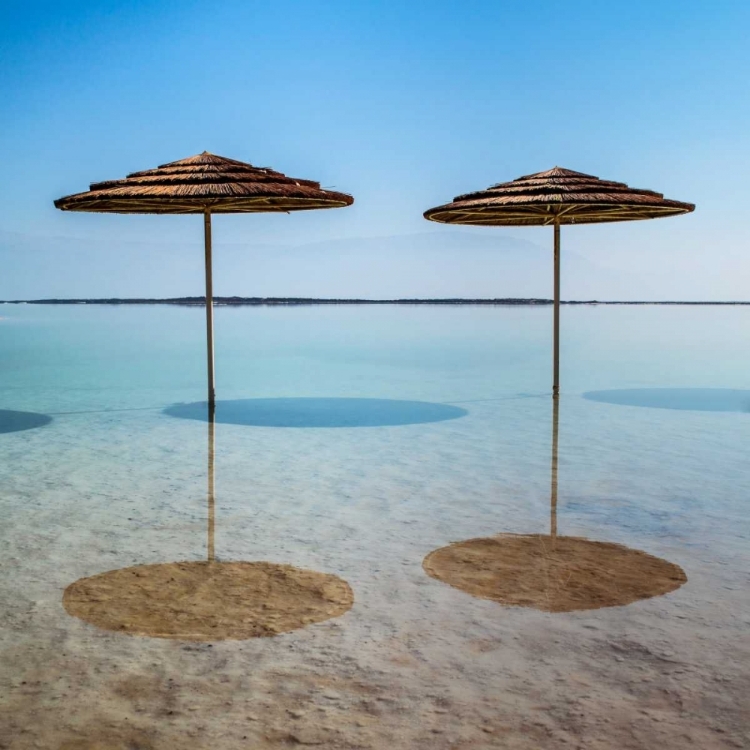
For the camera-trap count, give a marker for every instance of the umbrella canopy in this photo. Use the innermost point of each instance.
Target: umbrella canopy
(201, 183)
(557, 196)
(205, 184)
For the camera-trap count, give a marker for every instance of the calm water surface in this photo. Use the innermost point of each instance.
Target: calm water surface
(354, 441)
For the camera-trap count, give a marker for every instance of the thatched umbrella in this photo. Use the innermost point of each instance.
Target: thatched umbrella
(558, 196)
(205, 184)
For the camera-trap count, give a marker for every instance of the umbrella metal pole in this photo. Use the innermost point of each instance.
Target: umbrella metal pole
(211, 488)
(209, 312)
(556, 345)
(553, 478)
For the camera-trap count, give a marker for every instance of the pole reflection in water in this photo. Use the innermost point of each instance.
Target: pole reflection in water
(211, 483)
(208, 600)
(553, 479)
(551, 572)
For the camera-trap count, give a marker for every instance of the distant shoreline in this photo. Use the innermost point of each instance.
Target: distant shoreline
(288, 301)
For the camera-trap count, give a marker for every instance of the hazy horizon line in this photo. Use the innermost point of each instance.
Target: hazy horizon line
(270, 301)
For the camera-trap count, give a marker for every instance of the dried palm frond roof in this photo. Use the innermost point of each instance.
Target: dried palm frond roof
(202, 182)
(559, 196)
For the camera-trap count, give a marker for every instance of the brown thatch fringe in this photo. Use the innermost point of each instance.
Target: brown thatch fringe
(559, 196)
(202, 182)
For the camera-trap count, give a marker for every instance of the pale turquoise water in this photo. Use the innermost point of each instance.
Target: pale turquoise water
(114, 480)
(491, 362)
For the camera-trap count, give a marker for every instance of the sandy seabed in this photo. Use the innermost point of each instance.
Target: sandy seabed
(414, 664)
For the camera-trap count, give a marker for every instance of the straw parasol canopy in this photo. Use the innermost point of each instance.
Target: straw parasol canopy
(557, 196)
(552, 198)
(201, 183)
(205, 184)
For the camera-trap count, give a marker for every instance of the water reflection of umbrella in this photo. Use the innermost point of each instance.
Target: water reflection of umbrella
(208, 600)
(551, 572)
(558, 196)
(205, 184)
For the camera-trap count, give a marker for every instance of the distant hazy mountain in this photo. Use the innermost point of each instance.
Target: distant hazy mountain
(445, 262)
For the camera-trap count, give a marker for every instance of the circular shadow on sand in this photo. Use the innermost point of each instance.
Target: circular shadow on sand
(15, 421)
(688, 399)
(319, 412)
(208, 601)
(560, 574)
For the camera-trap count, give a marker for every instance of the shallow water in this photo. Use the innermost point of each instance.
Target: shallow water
(442, 433)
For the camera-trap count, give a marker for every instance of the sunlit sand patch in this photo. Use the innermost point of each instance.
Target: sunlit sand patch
(553, 574)
(208, 601)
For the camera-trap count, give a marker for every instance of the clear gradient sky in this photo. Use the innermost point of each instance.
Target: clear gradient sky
(402, 104)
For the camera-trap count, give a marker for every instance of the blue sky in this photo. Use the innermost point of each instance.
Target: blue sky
(404, 105)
